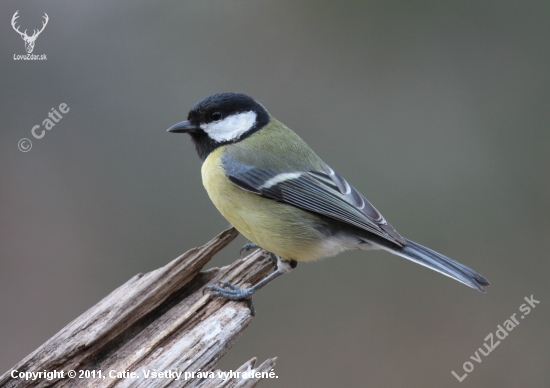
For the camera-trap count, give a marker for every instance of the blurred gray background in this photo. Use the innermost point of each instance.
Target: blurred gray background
(437, 111)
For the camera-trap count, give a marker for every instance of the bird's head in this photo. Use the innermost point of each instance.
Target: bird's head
(220, 119)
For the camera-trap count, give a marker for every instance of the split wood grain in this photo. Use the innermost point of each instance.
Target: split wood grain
(158, 321)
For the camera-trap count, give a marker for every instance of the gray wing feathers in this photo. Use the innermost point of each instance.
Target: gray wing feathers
(322, 192)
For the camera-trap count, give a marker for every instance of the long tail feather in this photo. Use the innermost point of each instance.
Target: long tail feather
(440, 263)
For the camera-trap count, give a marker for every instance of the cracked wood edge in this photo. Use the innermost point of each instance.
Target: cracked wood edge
(267, 366)
(160, 320)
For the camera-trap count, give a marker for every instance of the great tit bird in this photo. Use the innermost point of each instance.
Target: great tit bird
(271, 186)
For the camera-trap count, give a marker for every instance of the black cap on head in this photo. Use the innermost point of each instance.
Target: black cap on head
(227, 104)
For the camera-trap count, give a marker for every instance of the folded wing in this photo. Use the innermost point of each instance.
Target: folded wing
(324, 192)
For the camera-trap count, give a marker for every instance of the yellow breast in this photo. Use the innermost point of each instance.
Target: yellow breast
(285, 230)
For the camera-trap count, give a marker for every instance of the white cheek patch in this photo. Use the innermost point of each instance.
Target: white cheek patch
(230, 128)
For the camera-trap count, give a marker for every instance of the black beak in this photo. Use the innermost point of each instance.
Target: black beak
(183, 127)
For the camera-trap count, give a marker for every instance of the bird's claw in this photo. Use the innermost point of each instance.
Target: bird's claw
(234, 292)
(231, 292)
(247, 247)
(230, 285)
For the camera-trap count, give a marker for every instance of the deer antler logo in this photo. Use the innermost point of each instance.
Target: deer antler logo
(29, 40)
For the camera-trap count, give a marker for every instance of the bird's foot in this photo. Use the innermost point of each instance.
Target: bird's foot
(250, 245)
(247, 247)
(234, 292)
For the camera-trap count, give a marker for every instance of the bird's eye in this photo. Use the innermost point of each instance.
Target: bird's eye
(216, 115)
